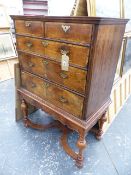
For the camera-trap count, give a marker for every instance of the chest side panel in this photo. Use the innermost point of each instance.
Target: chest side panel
(104, 58)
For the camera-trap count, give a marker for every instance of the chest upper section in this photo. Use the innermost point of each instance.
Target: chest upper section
(67, 31)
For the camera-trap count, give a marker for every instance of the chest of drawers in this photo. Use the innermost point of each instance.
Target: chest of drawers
(77, 97)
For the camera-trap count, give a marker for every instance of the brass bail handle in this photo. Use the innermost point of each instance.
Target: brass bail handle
(33, 85)
(63, 75)
(27, 24)
(45, 62)
(64, 50)
(29, 44)
(31, 64)
(63, 100)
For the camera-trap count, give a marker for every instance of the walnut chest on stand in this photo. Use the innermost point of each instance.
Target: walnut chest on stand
(67, 68)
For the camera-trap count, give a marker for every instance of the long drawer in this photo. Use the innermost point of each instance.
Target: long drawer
(74, 79)
(78, 55)
(62, 98)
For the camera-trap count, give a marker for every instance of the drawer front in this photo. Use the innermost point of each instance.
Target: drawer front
(66, 100)
(31, 44)
(59, 97)
(74, 79)
(32, 64)
(33, 84)
(78, 55)
(80, 33)
(34, 28)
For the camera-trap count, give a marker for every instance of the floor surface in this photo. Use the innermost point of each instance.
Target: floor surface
(24, 151)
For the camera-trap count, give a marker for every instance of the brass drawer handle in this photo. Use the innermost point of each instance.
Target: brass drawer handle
(64, 50)
(33, 85)
(45, 43)
(27, 24)
(46, 85)
(63, 100)
(45, 62)
(31, 65)
(29, 44)
(63, 75)
(65, 28)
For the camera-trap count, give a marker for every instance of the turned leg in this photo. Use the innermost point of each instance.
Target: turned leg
(101, 122)
(24, 109)
(81, 144)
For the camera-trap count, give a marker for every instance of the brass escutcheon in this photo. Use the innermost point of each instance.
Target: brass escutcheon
(65, 28)
(46, 85)
(45, 43)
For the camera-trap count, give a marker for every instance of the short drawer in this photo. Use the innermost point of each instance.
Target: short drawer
(33, 84)
(35, 28)
(32, 64)
(74, 79)
(78, 55)
(31, 44)
(80, 33)
(59, 97)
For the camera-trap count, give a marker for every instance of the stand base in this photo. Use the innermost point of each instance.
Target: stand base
(81, 142)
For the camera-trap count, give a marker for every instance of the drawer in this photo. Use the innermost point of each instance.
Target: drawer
(80, 33)
(35, 28)
(74, 79)
(32, 64)
(78, 55)
(66, 100)
(33, 84)
(31, 44)
(59, 97)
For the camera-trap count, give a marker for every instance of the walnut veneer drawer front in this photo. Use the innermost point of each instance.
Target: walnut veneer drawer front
(29, 27)
(31, 44)
(62, 98)
(33, 84)
(68, 31)
(78, 55)
(74, 79)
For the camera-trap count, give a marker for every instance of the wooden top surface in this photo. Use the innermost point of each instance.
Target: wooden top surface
(75, 19)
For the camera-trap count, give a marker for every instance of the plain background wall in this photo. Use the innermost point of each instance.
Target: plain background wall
(13, 6)
(60, 7)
